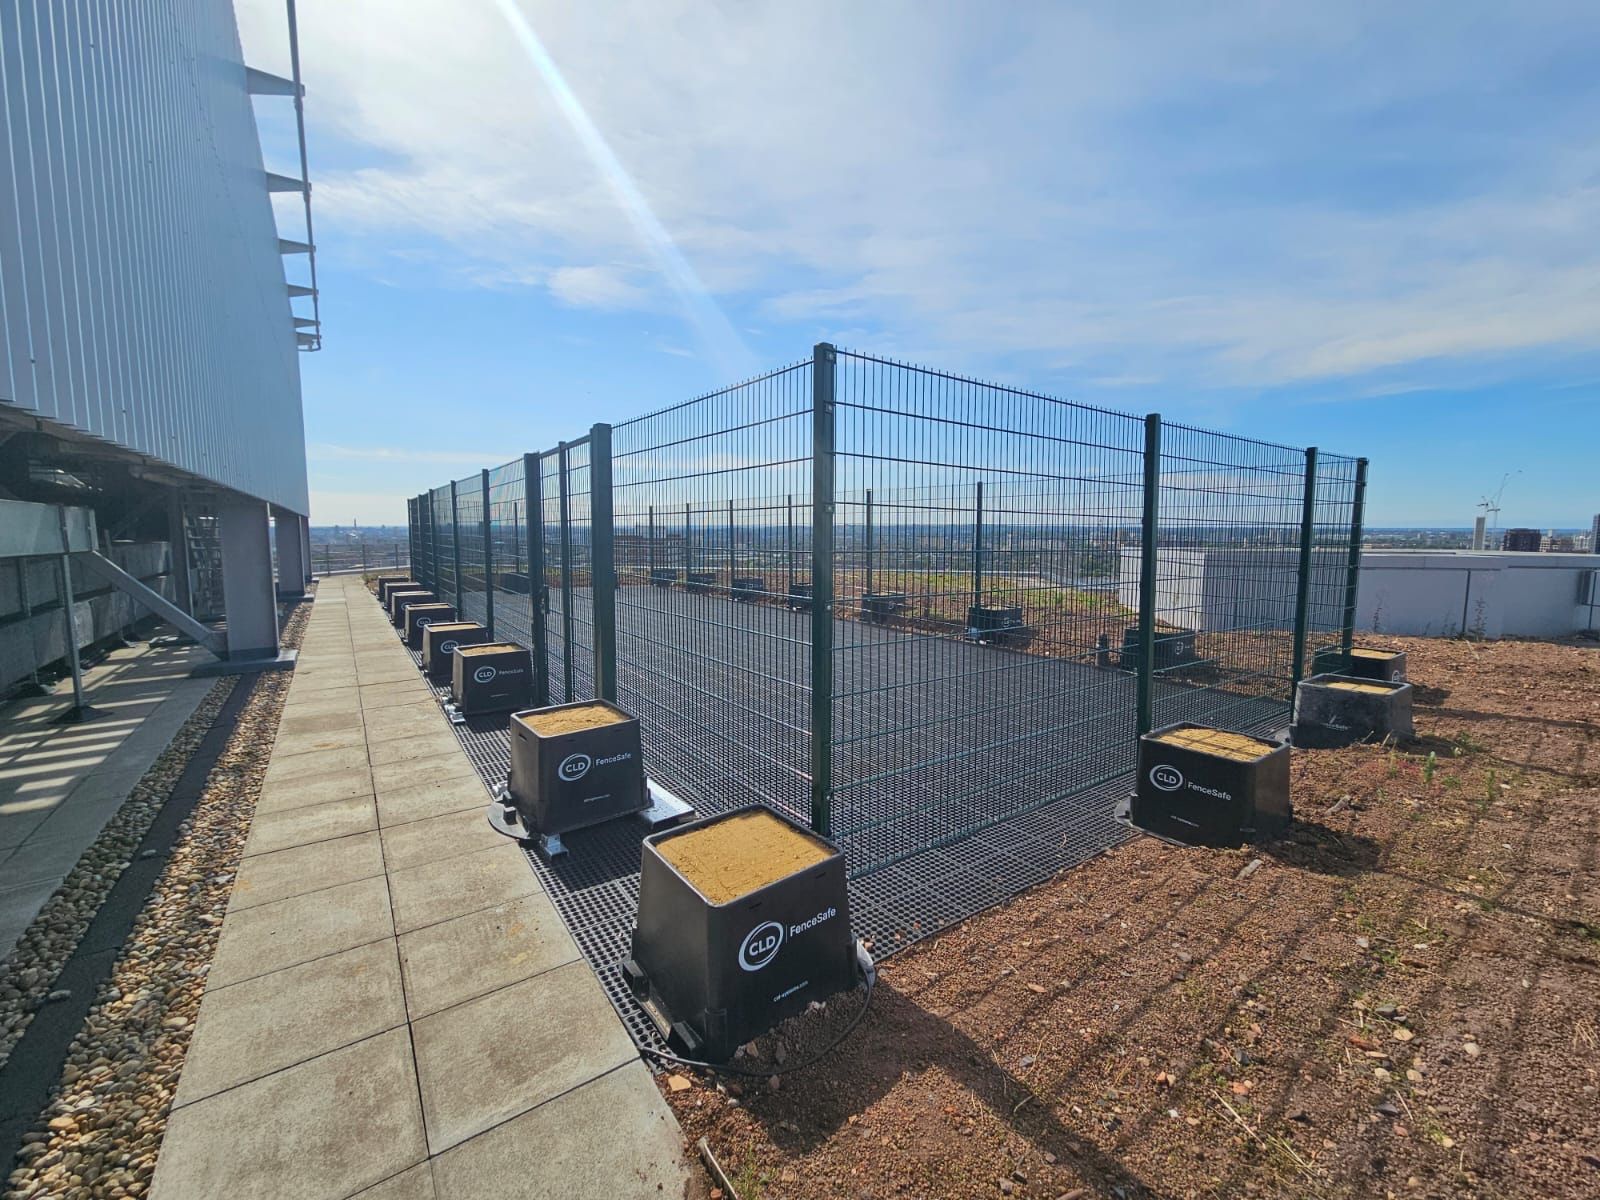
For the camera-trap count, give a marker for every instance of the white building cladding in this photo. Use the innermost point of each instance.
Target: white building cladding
(141, 277)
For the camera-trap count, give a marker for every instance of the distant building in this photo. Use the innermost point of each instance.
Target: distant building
(1594, 535)
(1525, 540)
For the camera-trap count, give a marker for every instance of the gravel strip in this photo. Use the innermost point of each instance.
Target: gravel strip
(28, 973)
(100, 1135)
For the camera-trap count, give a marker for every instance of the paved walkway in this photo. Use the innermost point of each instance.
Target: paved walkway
(60, 784)
(395, 1010)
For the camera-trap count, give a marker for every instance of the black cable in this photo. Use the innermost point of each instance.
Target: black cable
(868, 969)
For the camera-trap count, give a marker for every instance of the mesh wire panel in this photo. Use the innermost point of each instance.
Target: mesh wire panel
(567, 593)
(712, 521)
(1330, 600)
(977, 533)
(443, 529)
(469, 520)
(509, 547)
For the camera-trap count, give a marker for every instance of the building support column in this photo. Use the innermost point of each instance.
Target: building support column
(178, 542)
(249, 599)
(288, 532)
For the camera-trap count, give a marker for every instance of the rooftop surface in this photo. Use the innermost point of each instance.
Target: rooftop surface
(395, 1009)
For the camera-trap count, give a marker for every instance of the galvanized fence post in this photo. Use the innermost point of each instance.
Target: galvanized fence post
(1147, 572)
(788, 549)
(824, 360)
(1302, 597)
(603, 563)
(869, 590)
(533, 497)
(488, 562)
(1352, 573)
(455, 544)
(733, 557)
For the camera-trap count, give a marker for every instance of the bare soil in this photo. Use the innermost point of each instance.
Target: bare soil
(1401, 998)
(735, 856)
(549, 722)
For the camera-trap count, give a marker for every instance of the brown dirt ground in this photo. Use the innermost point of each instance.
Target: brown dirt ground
(1403, 999)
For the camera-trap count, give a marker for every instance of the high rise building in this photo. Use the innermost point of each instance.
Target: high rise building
(150, 338)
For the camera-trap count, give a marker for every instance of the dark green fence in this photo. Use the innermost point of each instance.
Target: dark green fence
(899, 604)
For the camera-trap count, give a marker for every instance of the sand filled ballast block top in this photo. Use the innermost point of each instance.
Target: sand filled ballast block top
(1220, 742)
(448, 626)
(1350, 685)
(739, 855)
(1377, 654)
(569, 720)
(487, 647)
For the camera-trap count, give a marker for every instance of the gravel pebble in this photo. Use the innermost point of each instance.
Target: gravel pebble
(101, 1132)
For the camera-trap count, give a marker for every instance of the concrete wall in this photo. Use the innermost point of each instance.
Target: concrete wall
(1491, 595)
(31, 642)
(143, 298)
(1243, 587)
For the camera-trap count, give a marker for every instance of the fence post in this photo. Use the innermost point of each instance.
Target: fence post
(1352, 573)
(533, 498)
(650, 547)
(603, 563)
(733, 558)
(455, 544)
(566, 572)
(1302, 597)
(422, 559)
(977, 551)
(488, 563)
(688, 543)
(411, 534)
(824, 361)
(1147, 571)
(788, 551)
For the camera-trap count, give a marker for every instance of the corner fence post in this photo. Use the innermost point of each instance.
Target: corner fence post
(563, 479)
(1302, 596)
(411, 533)
(1352, 571)
(1147, 572)
(824, 361)
(533, 500)
(488, 563)
(455, 544)
(603, 562)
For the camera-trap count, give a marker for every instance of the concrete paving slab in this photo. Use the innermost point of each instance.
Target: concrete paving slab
(415, 1184)
(485, 1061)
(317, 823)
(302, 869)
(420, 745)
(431, 798)
(285, 933)
(414, 843)
(456, 886)
(321, 763)
(321, 1130)
(435, 768)
(544, 1154)
(315, 789)
(289, 744)
(319, 717)
(275, 1021)
(454, 961)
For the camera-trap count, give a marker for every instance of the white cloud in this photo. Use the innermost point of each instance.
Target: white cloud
(325, 451)
(1254, 195)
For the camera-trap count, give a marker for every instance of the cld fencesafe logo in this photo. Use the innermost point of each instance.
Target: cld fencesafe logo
(760, 945)
(484, 675)
(1166, 777)
(573, 767)
(448, 648)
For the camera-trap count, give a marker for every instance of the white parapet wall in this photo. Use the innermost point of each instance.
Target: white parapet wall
(1416, 593)
(1447, 593)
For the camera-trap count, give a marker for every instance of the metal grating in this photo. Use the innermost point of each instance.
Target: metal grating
(956, 874)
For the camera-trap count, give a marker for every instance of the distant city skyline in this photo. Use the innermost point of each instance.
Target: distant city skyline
(1374, 229)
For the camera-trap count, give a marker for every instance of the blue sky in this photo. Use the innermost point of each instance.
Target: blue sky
(1372, 228)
